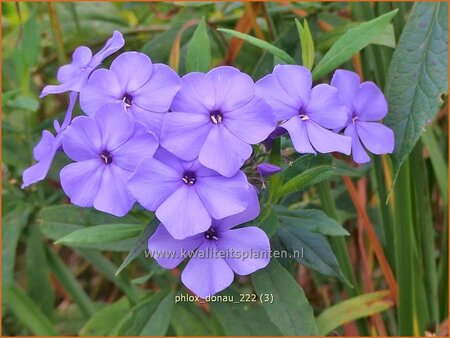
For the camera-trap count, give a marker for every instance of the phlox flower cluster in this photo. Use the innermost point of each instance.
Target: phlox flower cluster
(176, 146)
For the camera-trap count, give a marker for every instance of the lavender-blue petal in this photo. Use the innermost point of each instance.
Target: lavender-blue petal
(82, 140)
(299, 135)
(207, 276)
(267, 169)
(327, 141)
(296, 81)
(347, 83)
(132, 70)
(376, 137)
(114, 43)
(370, 103)
(359, 154)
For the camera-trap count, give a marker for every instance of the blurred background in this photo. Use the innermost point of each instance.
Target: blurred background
(52, 289)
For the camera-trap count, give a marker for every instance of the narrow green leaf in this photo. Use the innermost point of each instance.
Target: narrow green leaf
(151, 317)
(101, 322)
(350, 43)
(198, 55)
(31, 42)
(310, 249)
(70, 284)
(417, 76)
(306, 179)
(307, 43)
(27, 312)
(188, 319)
(286, 305)
(352, 309)
(311, 219)
(140, 244)
(261, 44)
(99, 234)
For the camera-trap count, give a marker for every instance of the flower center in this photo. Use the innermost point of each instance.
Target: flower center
(354, 119)
(127, 99)
(216, 117)
(303, 117)
(106, 157)
(211, 234)
(189, 178)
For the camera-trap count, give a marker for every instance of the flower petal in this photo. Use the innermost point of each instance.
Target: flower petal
(370, 104)
(168, 251)
(327, 141)
(296, 81)
(283, 106)
(44, 146)
(82, 139)
(152, 183)
(196, 94)
(347, 83)
(81, 181)
(299, 136)
(252, 122)
(325, 107)
(207, 276)
(223, 196)
(157, 94)
(114, 43)
(113, 196)
(114, 124)
(251, 212)
(376, 137)
(248, 248)
(184, 134)
(233, 88)
(139, 147)
(80, 59)
(172, 161)
(358, 152)
(132, 70)
(183, 213)
(58, 89)
(223, 151)
(151, 120)
(102, 87)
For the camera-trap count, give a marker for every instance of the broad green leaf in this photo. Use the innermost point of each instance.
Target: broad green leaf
(307, 43)
(311, 219)
(350, 43)
(242, 319)
(27, 312)
(105, 233)
(140, 244)
(309, 248)
(268, 221)
(261, 44)
(13, 224)
(151, 317)
(25, 102)
(417, 76)
(286, 305)
(70, 283)
(188, 319)
(102, 321)
(198, 55)
(352, 309)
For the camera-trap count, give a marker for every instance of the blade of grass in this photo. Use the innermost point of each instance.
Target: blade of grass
(56, 31)
(70, 284)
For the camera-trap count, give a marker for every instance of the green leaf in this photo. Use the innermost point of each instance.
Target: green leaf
(13, 224)
(350, 43)
(309, 248)
(140, 244)
(312, 220)
(261, 44)
(25, 102)
(27, 312)
(99, 234)
(286, 306)
(31, 42)
(188, 319)
(417, 76)
(151, 317)
(307, 43)
(198, 55)
(101, 322)
(242, 319)
(352, 309)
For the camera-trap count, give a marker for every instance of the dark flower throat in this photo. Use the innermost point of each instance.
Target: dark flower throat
(106, 157)
(189, 178)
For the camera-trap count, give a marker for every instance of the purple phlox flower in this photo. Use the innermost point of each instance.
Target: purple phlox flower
(308, 112)
(268, 142)
(216, 117)
(267, 169)
(366, 105)
(44, 152)
(216, 253)
(145, 89)
(185, 194)
(74, 75)
(107, 148)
